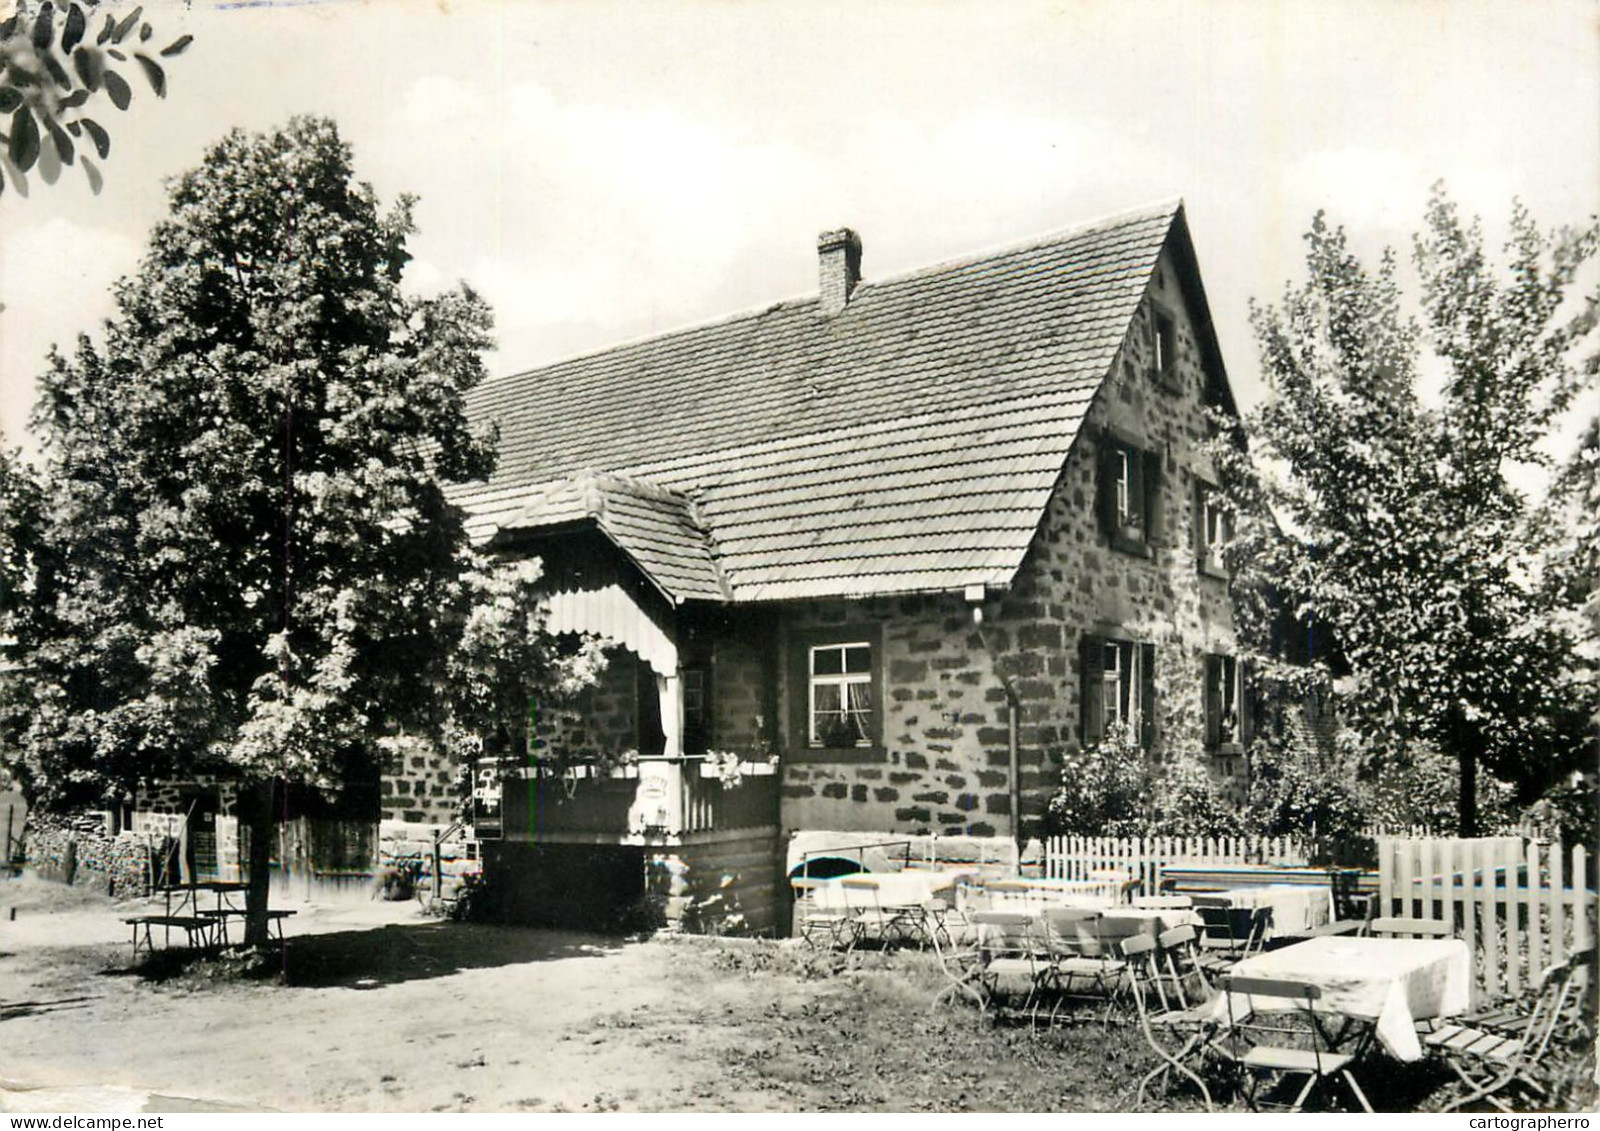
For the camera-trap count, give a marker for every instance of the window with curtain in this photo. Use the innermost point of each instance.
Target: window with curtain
(840, 695)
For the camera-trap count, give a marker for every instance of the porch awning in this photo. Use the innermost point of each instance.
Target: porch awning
(611, 613)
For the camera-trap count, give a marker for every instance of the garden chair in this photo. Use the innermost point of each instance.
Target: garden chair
(1012, 958)
(1231, 934)
(1393, 928)
(1178, 1035)
(958, 951)
(1085, 961)
(872, 919)
(824, 926)
(1263, 1050)
(1502, 1050)
(1180, 966)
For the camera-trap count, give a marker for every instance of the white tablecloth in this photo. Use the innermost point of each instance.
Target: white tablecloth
(1392, 982)
(893, 889)
(1042, 892)
(1296, 908)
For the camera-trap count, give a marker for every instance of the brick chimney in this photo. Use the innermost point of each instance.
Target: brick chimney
(839, 266)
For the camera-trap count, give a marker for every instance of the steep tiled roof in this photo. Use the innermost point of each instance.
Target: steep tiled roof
(907, 444)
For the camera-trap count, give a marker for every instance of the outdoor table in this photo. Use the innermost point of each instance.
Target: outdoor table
(1296, 908)
(1040, 891)
(1393, 983)
(1150, 921)
(893, 889)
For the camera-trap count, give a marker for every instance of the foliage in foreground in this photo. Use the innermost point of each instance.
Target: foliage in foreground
(55, 65)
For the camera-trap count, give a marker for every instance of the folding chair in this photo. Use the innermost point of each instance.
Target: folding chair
(1179, 963)
(1011, 957)
(832, 926)
(1500, 1051)
(1265, 1056)
(1410, 928)
(1184, 1033)
(872, 920)
(1085, 961)
(1231, 934)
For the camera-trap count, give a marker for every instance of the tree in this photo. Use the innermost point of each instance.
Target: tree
(246, 561)
(53, 66)
(1388, 518)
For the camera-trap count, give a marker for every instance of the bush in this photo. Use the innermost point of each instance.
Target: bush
(1101, 790)
(1183, 801)
(1109, 789)
(1324, 808)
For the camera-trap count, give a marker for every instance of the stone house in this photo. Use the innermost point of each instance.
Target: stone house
(891, 548)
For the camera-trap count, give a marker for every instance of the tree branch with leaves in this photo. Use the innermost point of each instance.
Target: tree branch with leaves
(55, 68)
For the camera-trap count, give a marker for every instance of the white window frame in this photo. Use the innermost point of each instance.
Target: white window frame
(843, 680)
(1230, 697)
(1214, 529)
(1122, 688)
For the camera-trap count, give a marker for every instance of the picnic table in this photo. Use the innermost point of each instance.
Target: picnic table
(182, 910)
(1393, 983)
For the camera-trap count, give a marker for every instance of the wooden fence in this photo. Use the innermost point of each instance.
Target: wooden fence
(1519, 906)
(1074, 857)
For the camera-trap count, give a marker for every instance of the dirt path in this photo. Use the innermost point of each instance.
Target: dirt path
(385, 1011)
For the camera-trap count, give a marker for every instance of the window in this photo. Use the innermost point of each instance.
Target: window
(1129, 494)
(1228, 713)
(841, 695)
(835, 693)
(696, 712)
(1164, 349)
(1118, 690)
(1213, 525)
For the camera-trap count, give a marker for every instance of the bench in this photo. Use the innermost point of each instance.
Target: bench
(190, 925)
(275, 918)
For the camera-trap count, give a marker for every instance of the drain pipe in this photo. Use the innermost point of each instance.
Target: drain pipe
(975, 595)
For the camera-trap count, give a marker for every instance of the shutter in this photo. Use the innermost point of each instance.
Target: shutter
(1105, 485)
(1198, 507)
(1150, 491)
(1147, 696)
(1248, 703)
(1091, 672)
(1213, 701)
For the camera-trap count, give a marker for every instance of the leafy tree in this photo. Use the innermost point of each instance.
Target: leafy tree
(1388, 518)
(245, 558)
(54, 68)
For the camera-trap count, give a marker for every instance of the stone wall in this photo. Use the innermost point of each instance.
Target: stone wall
(420, 783)
(948, 680)
(600, 721)
(79, 850)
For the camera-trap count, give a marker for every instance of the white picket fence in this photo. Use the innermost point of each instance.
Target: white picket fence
(1075, 857)
(1520, 906)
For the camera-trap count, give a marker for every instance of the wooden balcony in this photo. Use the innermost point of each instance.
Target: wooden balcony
(657, 802)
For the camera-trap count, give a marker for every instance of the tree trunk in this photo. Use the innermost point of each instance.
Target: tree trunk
(263, 827)
(1467, 795)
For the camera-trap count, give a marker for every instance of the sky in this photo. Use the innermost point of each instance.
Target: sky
(606, 171)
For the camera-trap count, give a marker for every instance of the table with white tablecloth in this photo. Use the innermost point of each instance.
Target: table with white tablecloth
(912, 888)
(1296, 908)
(1393, 983)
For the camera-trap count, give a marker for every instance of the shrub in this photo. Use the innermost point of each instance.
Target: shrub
(1101, 790)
